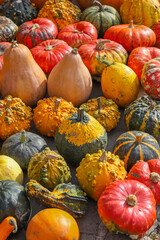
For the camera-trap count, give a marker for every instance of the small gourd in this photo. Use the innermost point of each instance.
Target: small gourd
(7, 226)
(8, 29)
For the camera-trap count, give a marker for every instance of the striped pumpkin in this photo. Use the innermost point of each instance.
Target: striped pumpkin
(133, 146)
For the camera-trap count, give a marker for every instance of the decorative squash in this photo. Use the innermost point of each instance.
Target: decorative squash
(156, 29)
(68, 197)
(22, 146)
(131, 36)
(96, 171)
(101, 16)
(61, 12)
(36, 31)
(127, 206)
(70, 79)
(18, 11)
(78, 34)
(8, 29)
(38, 3)
(49, 113)
(96, 52)
(28, 82)
(144, 115)
(14, 202)
(132, 146)
(14, 116)
(48, 53)
(8, 226)
(105, 111)
(149, 174)
(78, 135)
(57, 224)
(48, 168)
(142, 12)
(120, 83)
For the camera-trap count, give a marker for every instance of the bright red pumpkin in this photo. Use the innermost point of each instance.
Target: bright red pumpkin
(131, 36)
(3, 47)
(141, 55)
(149, 174)
(78, 34)
(1, 62)
(48, 53)
(36, 31)
(156, 29)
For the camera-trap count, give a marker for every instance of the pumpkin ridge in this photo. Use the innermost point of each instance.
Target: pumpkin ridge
(123, 143)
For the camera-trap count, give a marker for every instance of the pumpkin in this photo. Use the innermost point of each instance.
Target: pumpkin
(101, 16)
(143, 114)
(36, 31)
(141, 55)
(48, 168)
(142, 12)
(14, 116)
(149, 174)
(61, 12)
(70, 79)
(28, 82)
(3, 46)
(96, 52)
(69, 197)
(150, 78)
(22, 146)
(38, 3)
(156, 29)
(132, 146)
(52, 223)
(78, 34)
(8, 226)
(14, 202)
(78, 135)
(105, 111)
(131, 36)
(96, 171)
(122, 207)
(8, 29)
(120, 83)
(48, 53)
(49, 113)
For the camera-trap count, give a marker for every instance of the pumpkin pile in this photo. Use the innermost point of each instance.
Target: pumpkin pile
(79, 116)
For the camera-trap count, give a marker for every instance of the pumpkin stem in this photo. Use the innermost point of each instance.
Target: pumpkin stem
(103, 157)
(97, 3)
(74, 51)
(153, 104)
(131, 200)
(23, 136)
(139, 138)
(80, 115)
(101, 45)
(35, 26)
(99, 103)
(8, 101)
(131, 24)
(77, 31)
(50, 47)
(14, 44)
(154, 177)
(57, 102)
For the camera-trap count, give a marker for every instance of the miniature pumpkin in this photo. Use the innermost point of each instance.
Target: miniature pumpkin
(78, 135)
(48, 168)
(14, 116)
(57, 225)
(105, 111)
(98, 170)
(28, 82)
(68, 197)
(22, 146)
(8, 226)
(61, 12)
(123, 209)
(8, 29)
(70, 79)
(49, 113)
(149, 174)
(132, 146)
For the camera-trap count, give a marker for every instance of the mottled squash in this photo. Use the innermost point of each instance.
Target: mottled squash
(8, 29)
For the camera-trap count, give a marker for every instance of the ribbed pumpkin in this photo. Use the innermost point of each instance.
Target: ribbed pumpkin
(96, 171)
(105, 111)
(8, 29)
(49, 113)
(156, 29)
(48, 168)
(133, 146)
(101, 16)
(144, 115)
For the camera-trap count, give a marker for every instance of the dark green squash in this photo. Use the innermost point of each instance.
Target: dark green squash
(133, 146)
(101, 16)
(14, 202)
(78, 135)
(69, 197)
(144, 115)
(22, 146)
(8, 29)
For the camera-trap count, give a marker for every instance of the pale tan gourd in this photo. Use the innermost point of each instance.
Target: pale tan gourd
(70, 79)
(21, 76)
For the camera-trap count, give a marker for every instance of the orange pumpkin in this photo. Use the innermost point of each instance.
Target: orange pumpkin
(38, 3)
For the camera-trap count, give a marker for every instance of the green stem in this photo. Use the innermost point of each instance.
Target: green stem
(23, 136)
(80, 115)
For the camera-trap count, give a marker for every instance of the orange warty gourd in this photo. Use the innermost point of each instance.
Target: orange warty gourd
(8, 226)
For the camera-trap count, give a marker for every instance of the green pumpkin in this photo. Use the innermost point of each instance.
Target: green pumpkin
(78, 135)
(8, 29)
(101, 16)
